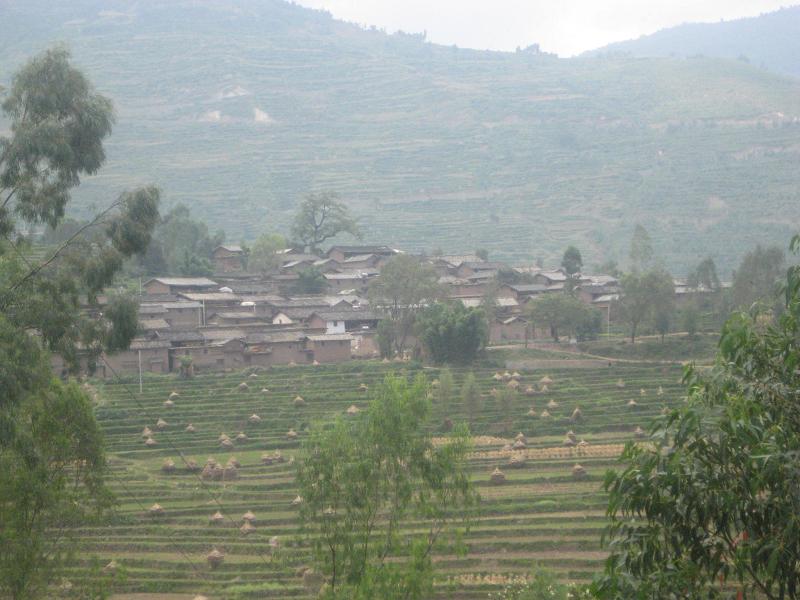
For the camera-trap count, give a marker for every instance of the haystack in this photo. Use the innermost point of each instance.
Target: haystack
(576, 415)
(665, 411)
(235, 462)
(363, 387)
(297, 501)
(643, 392)
(253, 375)
(147, 432)
(254, 418)
(493, 392)
(161, 424)
(222, 437)
(226, 444)
(545, 380)
(192, 466)
(353, 410)
(168, 466)
(530, 391)
(583, 444)
(230, 473)
(571, 435)
(243, 387)
(507, 448)
(273, 542)
(291, 434)
(578, 472)
(386, 360)
(544, 389)
(212, 471)
(215, 558)
(568, 442)
(111, 567)
(497, 477)
(519, 445)
(267, 459)
(435, 383)
(521, 436)
(156, 510)
(639, 432)
(264, 391)
(241, 436)
(168, 404)
(516, 462)
(516, 376)
(532, 412)
(497, 377)
(298, 401)
(173, 395)
(632, 403)
(249, 516)
(513, 384)
(660, 391)
(545, 414)
(292, 364)
(315, 363)
(190, 428)
(506, 376)
(620, 384)
(247, 528)
(150, 442)
(216, 518)
(552, 404)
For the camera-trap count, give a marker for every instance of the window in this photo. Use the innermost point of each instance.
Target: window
(336, 323)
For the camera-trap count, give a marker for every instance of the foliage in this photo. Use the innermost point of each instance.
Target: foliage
(757, 276)
(504, 399)
(646, 295)
(310, 281)
(704, 276)
(482, 253)
(572, 261)
(512, 277)
(542, 585)
(711, 503)
(689, 319)
(51, 454)
(181, 245)
(322, 216)
(264, 257)
(363, 477)
(452, 333)
(560, 312)
(405, 287)
(470, 396)
(445, 391)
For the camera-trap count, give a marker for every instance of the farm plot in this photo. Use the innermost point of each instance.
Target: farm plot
(203, 470)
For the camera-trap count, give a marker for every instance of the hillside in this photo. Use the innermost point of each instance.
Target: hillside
(239, 108)
(769, 41)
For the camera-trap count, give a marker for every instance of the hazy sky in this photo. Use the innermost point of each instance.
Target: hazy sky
(566, 27)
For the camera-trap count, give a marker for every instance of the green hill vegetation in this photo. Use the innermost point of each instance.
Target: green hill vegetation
(237, 109)
(542, 513)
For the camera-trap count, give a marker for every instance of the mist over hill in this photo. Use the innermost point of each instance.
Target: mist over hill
(238, 108)
(770, 41)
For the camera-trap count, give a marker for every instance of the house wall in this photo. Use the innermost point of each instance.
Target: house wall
(500, 333)
(330, 351)
(154, 360)
(183, 318)
(365, 344)
(335, 327)
(156, 287)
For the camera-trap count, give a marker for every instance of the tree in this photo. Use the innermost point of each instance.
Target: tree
(310, 281)
(711, 502)
(505, 403)
(560, 312)
(405, 286)
(572, 262)
(321, 217)
(641, 253)
(264, 257)
(470, 397)
(452, 333)
(363, 477)
(482, 253)
(757, 276)
(445, 391)
(51, 460)
(181, 245)
(644, 295)
(704, 275)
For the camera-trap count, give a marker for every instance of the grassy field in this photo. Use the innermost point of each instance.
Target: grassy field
(541, 514)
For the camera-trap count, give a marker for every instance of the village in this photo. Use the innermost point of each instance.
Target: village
(238, 319)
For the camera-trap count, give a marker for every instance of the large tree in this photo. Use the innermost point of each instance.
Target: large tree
(562, 313)
(264, 256)
(322, 216)
(51, 459)
(572, 261)
(712, 501)
(641, 252)
(405, 286)
(646, 296)
(452, 333)
(757, 276)
(364, 477)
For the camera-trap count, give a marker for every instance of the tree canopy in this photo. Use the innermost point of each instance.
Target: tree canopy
(322, 216)
(646, 296)
(572, 261)
(563, 313)
(711, 502)
(452, 333)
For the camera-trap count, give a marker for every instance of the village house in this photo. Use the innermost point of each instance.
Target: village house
(350, 281)
(342, 253)
(177, 285)
(521, 292)
(486, 269)
(228, 258)
(344, 321)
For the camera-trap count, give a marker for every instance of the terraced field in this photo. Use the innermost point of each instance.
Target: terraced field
(540, 514)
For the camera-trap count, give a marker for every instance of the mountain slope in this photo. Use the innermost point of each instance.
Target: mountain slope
(238, 108)
(771, 41)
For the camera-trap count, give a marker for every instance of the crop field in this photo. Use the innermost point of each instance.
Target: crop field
(542, 513)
